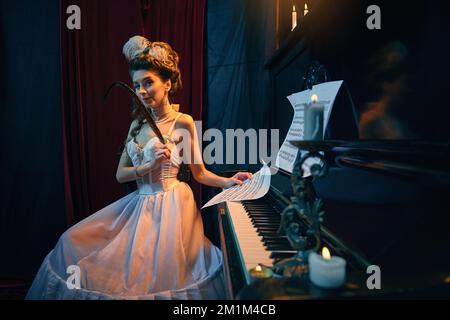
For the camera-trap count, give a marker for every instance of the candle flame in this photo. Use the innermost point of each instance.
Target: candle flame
(314, 98)
(306, 6)
(258, 268)
(294, 19)
(326, 253)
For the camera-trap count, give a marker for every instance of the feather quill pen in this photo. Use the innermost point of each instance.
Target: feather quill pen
(140, 106)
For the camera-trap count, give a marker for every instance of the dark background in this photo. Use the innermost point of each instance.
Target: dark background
(406, 61)
(32, 196)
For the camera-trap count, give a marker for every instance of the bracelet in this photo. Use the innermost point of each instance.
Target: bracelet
(136, 171)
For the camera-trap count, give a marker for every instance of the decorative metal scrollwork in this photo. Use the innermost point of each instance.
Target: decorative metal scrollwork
(305, 206)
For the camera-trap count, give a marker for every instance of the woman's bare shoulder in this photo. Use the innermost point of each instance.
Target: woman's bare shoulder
(185, 121)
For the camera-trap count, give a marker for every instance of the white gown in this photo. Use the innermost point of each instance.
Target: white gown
(147, 245)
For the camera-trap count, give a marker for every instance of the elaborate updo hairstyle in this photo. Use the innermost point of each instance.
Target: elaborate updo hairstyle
(158, 57)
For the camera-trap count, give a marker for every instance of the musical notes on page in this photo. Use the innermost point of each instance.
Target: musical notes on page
(327, 93)
(251, 189)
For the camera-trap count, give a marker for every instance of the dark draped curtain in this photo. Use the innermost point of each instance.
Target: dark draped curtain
(240, 39)
(91, 59)
(32, 213)
(181, 24)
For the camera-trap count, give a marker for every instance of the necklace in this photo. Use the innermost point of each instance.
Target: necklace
(163, 118)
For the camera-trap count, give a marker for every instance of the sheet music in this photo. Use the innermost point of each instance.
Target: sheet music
(327, 93)
(251, 189)
(287, 153)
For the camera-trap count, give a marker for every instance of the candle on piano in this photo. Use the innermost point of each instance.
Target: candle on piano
(326, 271)
(260, 272)
(294, 18)
(314, 119)
(305, 12)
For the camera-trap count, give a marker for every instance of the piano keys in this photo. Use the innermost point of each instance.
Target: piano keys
(254, 225)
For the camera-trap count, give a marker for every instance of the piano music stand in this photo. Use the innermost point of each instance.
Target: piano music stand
(343, 122)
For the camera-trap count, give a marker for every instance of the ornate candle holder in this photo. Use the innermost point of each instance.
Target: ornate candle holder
(304, 207)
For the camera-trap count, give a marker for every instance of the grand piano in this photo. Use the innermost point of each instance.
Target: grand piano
(386, 199)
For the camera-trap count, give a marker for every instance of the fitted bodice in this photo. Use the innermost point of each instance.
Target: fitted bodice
(163, 176)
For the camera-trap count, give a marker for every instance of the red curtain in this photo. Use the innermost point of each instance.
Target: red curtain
(181, 23)
(91, 59)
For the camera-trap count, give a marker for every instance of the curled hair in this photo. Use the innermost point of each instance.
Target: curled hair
(162, 59)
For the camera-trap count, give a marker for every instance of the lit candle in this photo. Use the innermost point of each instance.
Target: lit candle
(294, 18)
(314, 120)
(305, 12)
(260, 272)
(326, 271)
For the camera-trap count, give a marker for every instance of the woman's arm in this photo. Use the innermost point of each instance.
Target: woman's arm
(125, 170)
(206, 177)
(199, 172)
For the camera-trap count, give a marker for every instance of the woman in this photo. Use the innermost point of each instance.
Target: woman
(150, 243)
